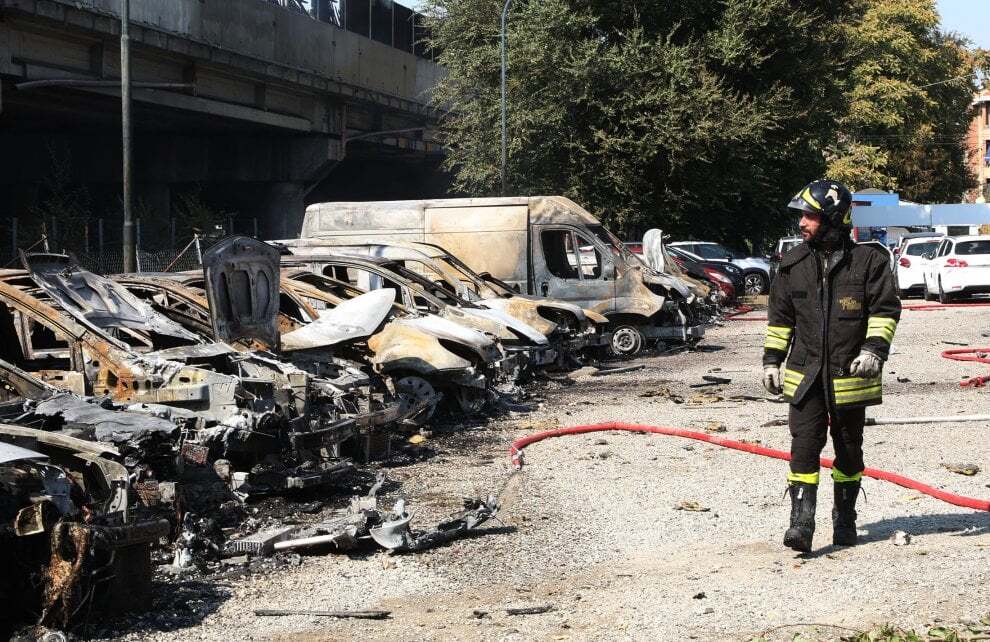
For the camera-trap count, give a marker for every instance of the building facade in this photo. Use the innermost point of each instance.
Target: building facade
(979, 145)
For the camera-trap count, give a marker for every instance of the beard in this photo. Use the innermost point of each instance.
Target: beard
(829, 237)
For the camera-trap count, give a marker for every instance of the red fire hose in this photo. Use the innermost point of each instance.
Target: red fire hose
(518, 445)
(979, 355)
(742, 309)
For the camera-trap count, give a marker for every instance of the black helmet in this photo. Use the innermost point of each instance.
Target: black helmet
(830, 199)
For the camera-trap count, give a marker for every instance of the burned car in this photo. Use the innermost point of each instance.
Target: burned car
(426, 358)
(258, 413)
(524, 346)
(68, 542)
(569, 328)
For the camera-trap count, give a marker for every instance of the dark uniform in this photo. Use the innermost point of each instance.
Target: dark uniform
(833, 314)
(826, 309)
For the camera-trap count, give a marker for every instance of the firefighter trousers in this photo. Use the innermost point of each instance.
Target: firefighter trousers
(810, 423)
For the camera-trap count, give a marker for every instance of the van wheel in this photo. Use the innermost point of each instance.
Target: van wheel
(626, 341)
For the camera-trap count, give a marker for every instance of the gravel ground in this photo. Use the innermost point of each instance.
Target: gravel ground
(590, 525)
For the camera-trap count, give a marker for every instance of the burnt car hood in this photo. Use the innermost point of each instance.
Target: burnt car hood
(242, 285)
(352, 319)
(96, 299)
(667, 281)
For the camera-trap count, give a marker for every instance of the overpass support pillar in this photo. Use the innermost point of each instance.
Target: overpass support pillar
(284, 209)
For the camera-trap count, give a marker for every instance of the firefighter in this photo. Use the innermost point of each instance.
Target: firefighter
(833, 314)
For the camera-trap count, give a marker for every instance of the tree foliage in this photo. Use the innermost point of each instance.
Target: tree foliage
(701, 117)
(908, 111)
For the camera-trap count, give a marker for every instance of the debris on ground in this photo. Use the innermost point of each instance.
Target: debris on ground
(359, 615)
(691, 506)
(529, 610)
(663, 393)
(900, 538)
(962, 469)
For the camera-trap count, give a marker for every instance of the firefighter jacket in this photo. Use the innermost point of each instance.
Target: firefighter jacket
(825, 309)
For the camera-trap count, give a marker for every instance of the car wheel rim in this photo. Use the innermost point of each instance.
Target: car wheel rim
(754, 284)
(412, 390)
(625, 340)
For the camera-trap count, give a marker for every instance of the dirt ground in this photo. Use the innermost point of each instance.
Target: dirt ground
(594, 525)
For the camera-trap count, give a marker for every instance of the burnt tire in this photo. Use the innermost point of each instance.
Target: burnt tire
(471, 401)
(626, 341)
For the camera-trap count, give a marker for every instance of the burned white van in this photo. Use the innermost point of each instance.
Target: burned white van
(542, 245)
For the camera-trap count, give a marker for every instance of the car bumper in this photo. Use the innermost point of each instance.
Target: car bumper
(965, 281)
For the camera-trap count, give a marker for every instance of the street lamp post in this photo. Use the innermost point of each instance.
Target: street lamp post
(130, 262)
(504, 157)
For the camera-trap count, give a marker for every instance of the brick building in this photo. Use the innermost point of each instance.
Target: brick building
(979, 144)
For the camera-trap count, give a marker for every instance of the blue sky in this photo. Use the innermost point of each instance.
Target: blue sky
(970, 18)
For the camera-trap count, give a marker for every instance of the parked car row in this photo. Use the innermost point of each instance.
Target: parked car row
(542, 248)
(755, 270)
(959, 266)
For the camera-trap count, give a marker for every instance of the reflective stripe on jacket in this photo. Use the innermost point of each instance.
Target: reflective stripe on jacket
(822, 316)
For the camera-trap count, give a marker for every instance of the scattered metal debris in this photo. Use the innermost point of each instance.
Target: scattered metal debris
(968, 470)
(529, 610)
(359, 615)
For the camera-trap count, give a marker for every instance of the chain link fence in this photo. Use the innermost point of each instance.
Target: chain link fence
(111, 261)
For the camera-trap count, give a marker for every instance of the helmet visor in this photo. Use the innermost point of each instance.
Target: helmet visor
(805, 202)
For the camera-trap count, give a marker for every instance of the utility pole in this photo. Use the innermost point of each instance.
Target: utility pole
(130, 262)
(504, 157)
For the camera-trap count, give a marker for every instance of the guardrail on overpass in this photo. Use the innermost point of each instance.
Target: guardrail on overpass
(383, 21)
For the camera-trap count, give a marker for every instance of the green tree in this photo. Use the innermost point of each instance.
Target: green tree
(705, 116)
(699, 117)
(908, 112)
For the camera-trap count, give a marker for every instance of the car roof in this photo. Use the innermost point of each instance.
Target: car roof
(921, 235)
(970, 237)
(923, 239)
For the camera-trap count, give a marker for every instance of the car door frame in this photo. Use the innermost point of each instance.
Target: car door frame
(574, 290)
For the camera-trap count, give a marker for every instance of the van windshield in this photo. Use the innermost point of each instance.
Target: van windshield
(612, 242)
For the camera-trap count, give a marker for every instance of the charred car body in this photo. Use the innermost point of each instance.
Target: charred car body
(523, 344)
(569, 328)
(425, 358)
(245, 407)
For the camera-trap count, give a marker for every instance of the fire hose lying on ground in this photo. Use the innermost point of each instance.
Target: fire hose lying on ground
(516, 452)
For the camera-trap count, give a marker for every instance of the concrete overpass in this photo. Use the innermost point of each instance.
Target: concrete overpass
(255, 107)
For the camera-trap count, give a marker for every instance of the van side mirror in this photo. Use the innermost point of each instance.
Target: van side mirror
(608, 271)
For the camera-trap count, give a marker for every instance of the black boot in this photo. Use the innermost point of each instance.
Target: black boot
(844, 513)
(804, 498)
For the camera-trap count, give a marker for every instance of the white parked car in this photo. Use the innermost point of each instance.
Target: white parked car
(960, 266)
(911, 262)
(756, 270)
